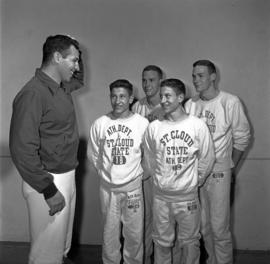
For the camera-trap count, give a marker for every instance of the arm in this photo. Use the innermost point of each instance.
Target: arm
(93, 146)
(206, 154)
(149, 153)
(240, 132)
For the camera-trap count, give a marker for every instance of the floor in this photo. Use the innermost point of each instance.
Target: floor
(16, 253)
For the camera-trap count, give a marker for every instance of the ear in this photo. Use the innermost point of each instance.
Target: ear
(57, 56)
(160, 80)
(131, 98)
(213, 76)
(181, 98)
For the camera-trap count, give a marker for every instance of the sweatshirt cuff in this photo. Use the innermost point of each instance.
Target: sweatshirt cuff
(49, 191)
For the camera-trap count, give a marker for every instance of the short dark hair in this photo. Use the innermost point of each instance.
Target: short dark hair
(177, 85)
(123, 83)
(207, 63)
(59, 43)
(154, 68)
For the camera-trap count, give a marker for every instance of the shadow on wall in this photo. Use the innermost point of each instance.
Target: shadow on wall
(80, 178)
(6, 167)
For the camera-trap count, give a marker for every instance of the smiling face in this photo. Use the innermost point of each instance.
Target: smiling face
(151, 83)
(120, 101)
(68, 64)
(202, 78)
(170, 100)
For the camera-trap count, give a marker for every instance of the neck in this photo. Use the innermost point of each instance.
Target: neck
(123, 115)
(209, 94)
(52, 73)
(154, 100)
(177, 115)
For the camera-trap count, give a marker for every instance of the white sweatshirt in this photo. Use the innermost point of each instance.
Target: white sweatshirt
(143, 108)
(177, 154)
(226, 120)
(114, 147)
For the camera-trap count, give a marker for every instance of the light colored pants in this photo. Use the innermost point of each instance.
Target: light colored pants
(148, 219)
(125, 208)
(215, 223)
(185, 216)
(50, 235)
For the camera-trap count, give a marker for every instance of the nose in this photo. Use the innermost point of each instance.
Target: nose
(146, 83)
(195, 79)
(162, 99)
(117, 100)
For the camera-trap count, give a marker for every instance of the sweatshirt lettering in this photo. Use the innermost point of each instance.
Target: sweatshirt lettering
(120, 128)
(176, 144)
(176, 134)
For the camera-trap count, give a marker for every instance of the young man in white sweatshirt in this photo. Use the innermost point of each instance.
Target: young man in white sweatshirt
(179, 155)
(115, 149)
(224, 115)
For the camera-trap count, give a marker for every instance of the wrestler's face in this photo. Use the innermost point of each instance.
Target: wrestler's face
(150, 83)
(169, 99)
(120, 101)
(202, 78)
(68, 64)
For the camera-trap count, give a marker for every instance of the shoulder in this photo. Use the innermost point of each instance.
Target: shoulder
(192, 119)
(140, 103)
(192, 100)
(100, 120)
(188, 102)
(31, 91)
(229, 100)
(156, 124)
(140, 119)
(138, 116)
(196, 121)
(228, 96)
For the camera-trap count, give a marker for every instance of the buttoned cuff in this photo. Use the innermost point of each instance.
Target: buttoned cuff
(49, 191)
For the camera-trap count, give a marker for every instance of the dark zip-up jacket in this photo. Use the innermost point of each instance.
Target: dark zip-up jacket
(43, 132)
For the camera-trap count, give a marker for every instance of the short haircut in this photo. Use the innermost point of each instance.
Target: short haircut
(154, 68)
(177, 85)
(123, 83)
(57, 43)
(207, 63)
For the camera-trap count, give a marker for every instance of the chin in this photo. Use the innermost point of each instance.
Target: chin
(67, 79)
(117, 113)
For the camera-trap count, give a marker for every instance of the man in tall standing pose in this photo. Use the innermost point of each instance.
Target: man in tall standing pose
(227, 122)
(43, 144)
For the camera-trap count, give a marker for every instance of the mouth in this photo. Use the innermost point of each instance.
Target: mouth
(118, 106)
(165, 106)
(147, 90)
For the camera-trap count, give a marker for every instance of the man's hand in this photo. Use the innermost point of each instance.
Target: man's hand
(56, 203)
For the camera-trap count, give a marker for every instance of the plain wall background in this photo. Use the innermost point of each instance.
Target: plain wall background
(119, 38)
